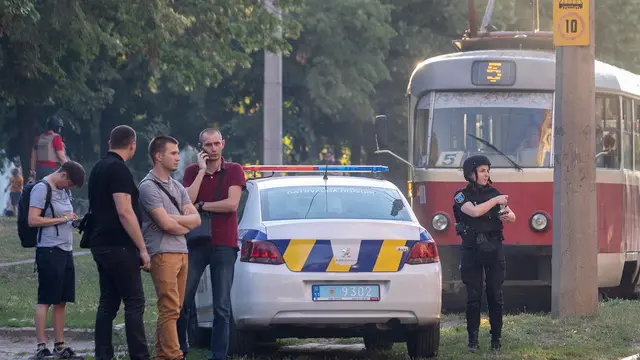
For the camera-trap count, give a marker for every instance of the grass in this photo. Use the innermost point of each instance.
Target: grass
(19, 285)
(11, 248)
(612, 334)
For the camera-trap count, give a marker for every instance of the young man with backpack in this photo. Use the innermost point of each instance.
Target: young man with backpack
(45, 217)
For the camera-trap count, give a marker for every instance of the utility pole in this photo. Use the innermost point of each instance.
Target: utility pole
(272, 99)
(574, 288)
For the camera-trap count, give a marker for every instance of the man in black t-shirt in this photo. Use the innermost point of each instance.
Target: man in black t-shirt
(117, 246)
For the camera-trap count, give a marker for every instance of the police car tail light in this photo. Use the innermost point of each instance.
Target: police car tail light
(261, 252)
(423, 252)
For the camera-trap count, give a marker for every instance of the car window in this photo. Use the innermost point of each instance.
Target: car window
(242, 204)
(333, 202)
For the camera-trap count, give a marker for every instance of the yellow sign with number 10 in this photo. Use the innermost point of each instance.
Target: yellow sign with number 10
(571, 23)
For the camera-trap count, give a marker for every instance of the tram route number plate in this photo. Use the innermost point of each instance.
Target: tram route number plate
(450, 158)
(345, 292)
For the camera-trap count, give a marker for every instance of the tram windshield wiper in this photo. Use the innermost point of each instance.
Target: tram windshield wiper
(515, 164)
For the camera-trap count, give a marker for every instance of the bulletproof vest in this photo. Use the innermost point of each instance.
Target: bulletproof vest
(44, 148)
(490, 221)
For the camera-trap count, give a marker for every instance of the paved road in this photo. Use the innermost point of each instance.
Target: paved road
(31, 261)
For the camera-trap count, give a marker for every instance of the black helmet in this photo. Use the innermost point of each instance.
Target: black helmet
(469, 166)
(55, 123)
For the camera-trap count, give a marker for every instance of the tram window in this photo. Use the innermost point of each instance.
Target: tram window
(519, 124)
(608, 132)
(627, 134)
(420, 137)
(636, 134)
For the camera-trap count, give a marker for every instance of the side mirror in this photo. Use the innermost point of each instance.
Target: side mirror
(382, 132)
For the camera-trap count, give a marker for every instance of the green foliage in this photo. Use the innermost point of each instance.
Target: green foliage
(220, 37)
(177, 67)
(345, 44)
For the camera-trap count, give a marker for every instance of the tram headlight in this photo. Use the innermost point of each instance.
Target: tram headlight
(440, 222)
(539, 222)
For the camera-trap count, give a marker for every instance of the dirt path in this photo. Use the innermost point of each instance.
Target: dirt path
(20, 343)
(31, 261)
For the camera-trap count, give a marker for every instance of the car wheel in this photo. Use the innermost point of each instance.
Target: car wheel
(377, 342)
(198, 337)
(241, 343)
(424, 343)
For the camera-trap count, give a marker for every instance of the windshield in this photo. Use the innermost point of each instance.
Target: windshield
(332, 202)
(519, 124)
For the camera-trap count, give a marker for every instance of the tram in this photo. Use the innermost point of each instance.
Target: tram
(497, 92)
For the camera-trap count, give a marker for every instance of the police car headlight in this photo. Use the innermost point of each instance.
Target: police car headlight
(539, 222)
(440, 222)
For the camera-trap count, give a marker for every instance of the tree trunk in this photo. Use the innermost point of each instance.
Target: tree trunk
(356, 143)
(26, 116)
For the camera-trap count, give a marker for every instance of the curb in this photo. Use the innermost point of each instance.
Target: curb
(632, 357)
(27, 332)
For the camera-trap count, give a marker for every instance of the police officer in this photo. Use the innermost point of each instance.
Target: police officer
(480, 210)
(48, 153)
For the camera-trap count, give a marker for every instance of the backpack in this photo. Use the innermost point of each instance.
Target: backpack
(30, 236)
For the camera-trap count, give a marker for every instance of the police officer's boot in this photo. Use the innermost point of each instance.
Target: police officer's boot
(495, 340)
(495, 345)
(473, 341)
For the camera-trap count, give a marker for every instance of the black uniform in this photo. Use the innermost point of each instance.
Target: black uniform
(481, 250)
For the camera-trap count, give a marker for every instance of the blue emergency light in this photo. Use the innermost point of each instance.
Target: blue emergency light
(316, 168)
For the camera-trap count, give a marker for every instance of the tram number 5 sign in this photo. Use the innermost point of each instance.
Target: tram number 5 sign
(571, 23)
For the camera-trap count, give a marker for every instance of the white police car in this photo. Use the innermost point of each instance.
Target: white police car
(330, 257)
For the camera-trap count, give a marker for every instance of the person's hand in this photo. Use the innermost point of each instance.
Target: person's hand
(202, 160)
(508, 217)
(501, 199)
(72, 216)
(145, 260)
(189, 211)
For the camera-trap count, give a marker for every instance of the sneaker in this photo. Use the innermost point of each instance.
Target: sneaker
(42, 353)
(64, 353)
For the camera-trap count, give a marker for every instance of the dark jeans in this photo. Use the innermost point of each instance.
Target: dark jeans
(472, 273)
(221, 261)
(120, 280)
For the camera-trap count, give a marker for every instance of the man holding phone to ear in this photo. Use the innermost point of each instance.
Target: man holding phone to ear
(214, 185)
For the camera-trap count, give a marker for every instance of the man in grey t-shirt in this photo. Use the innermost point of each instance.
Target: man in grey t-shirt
(167, 216)
(54, 259)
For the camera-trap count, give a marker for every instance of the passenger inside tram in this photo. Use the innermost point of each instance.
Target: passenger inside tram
(607, 158)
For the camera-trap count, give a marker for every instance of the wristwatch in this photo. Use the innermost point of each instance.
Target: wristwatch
(200, 205)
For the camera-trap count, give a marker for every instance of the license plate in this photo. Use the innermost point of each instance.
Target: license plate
(345, 292)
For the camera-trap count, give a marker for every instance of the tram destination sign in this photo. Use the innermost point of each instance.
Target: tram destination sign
(571, 23)
(487, 73)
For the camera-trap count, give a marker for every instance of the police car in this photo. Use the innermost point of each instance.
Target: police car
(326, 256)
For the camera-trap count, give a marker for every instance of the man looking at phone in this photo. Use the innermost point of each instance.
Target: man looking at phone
(215, 186)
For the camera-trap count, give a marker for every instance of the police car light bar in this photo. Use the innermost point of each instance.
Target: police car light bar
(316, 168)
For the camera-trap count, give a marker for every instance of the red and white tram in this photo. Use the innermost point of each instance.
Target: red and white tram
(505, 96)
